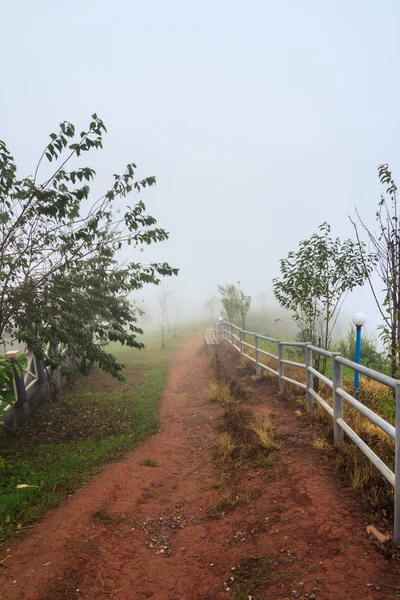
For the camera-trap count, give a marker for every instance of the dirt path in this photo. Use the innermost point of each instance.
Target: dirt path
(137, 532)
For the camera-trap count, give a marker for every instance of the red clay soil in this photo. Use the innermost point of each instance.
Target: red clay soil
(136, 532)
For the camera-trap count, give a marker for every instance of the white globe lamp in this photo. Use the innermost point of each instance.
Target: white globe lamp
(359, 319)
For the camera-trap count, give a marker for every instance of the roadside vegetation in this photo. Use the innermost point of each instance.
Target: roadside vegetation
(64, 281)
(360, 473)
(97, 420)
(313, 284)
(69, 275)
(244, 442)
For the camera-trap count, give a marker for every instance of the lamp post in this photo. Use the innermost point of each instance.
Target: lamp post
(219, 327)
(359, 320)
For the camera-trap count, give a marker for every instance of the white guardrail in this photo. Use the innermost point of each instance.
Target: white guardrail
(236, 337)
(34, 373)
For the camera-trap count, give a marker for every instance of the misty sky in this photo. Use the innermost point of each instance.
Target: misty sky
(260, 120)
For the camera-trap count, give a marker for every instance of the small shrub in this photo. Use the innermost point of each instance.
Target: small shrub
(101, 515)
(218, 368)
(319, 443)
(237, 390)
(229, 501)
(219, 392)
(263, 433)
(251, 573)
(244, 439)
(148, 462)
(225, 446)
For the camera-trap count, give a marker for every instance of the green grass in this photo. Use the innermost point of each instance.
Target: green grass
(101, 516)
(252, 573)
(148, 462)
(96, 421)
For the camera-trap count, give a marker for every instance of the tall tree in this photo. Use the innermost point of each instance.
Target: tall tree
(164, 293)
(386, 245)
(61, 278)
(211, 305)
(234, 302)
(244, 306)
(317, 277)
(262, 303)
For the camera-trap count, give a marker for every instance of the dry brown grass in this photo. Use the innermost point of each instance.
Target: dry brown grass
(376, 396)
(225, 446)
(363, 477)
(262, 429)
(228, 501)
(219, 392)
(217, 368)
(238, 390)
(320, 443)
(226, 393)
(270, 362)
(319, 416)
(245, 439)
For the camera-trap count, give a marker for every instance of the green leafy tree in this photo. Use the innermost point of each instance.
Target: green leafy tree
(235, 303)
(262, 303)
(386, 245)
(62, 281)
(316, 279)
(211, 305)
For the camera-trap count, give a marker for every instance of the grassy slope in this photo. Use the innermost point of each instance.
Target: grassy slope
(96, 421)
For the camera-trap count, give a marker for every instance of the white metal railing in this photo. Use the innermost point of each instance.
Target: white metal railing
(31, 375)
(30, 371)
(224, 331)
(24, 381)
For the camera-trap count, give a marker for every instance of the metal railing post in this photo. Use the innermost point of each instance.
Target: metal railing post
(241, 335)
(309, 376)
(337, 400)
(281, 368)
(257, 349)
(396, 535)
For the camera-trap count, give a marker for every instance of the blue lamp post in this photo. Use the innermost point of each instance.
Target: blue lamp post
(359, 320)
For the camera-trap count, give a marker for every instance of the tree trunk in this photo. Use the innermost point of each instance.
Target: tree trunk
(162, 332)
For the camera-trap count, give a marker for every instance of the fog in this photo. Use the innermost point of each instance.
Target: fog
(260, 120)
